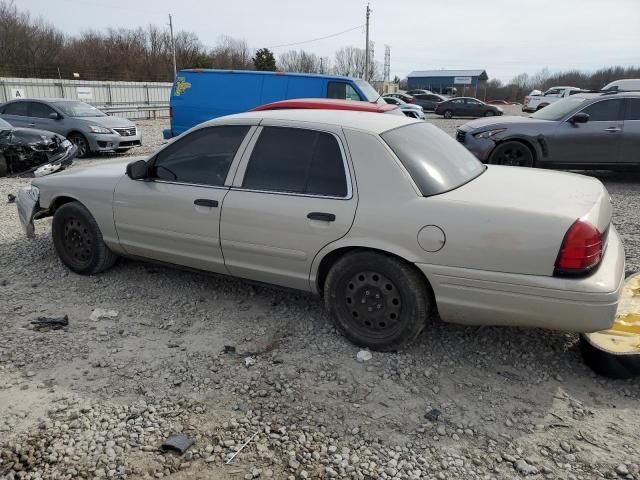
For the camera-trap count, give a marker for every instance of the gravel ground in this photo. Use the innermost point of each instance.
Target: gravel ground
(220, 359)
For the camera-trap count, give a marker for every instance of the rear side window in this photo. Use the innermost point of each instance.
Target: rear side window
(341, 91)
(17, 108)
(435, 161)
(633, 109)
(202, 157)
(294, 160)
(604, 111)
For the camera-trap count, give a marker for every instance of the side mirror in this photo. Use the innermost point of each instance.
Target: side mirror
(138, 170)
(580, 118)
(55, 116)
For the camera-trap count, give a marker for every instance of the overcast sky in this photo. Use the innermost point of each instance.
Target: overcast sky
(505, 37)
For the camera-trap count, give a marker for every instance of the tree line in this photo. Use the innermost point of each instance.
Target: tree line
(31, 47)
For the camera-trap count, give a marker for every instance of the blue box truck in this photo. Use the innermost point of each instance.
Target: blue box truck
(199, 95)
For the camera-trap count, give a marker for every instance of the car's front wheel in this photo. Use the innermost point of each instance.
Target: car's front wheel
(78, 240)
(82, 143)
(377, 301)
(512, 153)
(489, 113)
(448, 114)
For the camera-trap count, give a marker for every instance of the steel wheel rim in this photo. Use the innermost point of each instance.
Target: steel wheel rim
(374, 303)
(77, 240)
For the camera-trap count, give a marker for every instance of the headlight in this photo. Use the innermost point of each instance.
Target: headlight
(489, 133)
(99, 129)
(66, 143)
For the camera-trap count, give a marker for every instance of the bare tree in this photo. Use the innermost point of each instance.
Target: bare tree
(303, 62)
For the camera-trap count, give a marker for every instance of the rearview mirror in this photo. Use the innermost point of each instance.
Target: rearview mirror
(138, 170)
(54, 116)
(580, 118)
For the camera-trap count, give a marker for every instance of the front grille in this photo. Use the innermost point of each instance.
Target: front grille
(460, 136)
(125, 131)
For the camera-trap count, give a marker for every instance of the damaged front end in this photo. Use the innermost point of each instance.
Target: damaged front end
(30, 152)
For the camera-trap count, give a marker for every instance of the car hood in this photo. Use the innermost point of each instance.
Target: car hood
(109, 169)
(109, 121)
(36, 134)
(503, 122)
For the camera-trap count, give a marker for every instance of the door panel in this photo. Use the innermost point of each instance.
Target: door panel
(630, 146)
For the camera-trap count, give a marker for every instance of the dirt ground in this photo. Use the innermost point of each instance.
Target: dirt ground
(220, 359)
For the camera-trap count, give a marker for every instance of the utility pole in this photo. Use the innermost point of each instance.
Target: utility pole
(366, 50)
(173, 47)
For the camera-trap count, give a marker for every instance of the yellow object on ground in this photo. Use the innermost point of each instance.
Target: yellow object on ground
(624, 335)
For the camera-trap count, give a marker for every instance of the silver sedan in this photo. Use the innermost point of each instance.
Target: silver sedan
(388, 218)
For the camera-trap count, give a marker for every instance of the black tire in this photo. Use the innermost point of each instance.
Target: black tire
(78, 240)
(377, 301)
(539, 107)
(489, 113)
(448, 114)
(81, 142)
(4, 168)
(512, 153)
(608, 364)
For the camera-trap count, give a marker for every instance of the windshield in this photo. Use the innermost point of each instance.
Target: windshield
(435, 161)
(79, 109)
(370, 93)
(557, 110)
(5, 125)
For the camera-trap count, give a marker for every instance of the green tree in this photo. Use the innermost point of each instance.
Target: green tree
(264, 60)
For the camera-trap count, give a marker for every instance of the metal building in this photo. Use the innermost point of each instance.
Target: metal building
(463, 82)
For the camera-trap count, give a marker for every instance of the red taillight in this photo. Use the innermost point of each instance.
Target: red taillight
(581, 249)
(170, 112)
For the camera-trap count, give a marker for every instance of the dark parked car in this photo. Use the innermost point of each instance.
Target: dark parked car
(587, 130)
(26, 149)
(466, 107)
(429, 101)
(417, 91)
(402, 96)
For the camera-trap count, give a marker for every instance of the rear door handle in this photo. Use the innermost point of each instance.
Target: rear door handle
(325, 217)
(612, 129)
(205, 202)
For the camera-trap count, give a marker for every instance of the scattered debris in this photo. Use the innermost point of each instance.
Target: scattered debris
(53, 323)
(11, 198)
(364, 356)
(46, 170)
(177, 442)
(249, 361)
(229, 349)
(432, 415)
(240, 449)
(99, 313)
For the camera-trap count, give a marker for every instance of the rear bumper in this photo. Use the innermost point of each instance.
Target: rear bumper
(478, 297)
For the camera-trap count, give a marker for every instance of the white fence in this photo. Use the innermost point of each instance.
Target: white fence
(128, 99)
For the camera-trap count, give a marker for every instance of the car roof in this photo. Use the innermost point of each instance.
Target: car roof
(325, 103)
(357, 120)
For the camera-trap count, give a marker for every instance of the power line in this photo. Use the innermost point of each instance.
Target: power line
(317, 39)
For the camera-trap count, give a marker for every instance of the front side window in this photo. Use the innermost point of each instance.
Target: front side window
(16, 108)
(435, 161)
(470, 101)
(341, 91)
(604, 111)
(458, 101)
(633, 109)
(202, 157)
(294, 160)
(40, 110)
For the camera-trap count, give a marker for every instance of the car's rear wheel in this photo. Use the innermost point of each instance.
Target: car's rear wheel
(448, 114)
(377, 301)
(81, 142)
(512, 153)
(4, 168)
(489, 113)
(78, 240)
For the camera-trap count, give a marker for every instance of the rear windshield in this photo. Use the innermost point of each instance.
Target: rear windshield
(557, 110)
(435, 161)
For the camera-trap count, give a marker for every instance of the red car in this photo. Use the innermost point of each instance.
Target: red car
(498, 102)
(328, 104)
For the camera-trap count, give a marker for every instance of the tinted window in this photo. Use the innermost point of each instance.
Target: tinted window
(633, 109)
(16, 108)
(604, 111)
(458, 101)
(470, 101)
(341, 91)
(39, 110)
(202, 157)
(435, 161)
(421, 96)
(297, 161)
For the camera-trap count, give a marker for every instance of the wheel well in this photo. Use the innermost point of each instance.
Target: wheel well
(518, 140)
(58, 202)
(542, 105)
(77, 132)
(330, 259)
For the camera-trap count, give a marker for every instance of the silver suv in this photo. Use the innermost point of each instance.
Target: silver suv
(89, 128)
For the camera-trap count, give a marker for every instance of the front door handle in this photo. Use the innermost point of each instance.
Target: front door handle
(205, 202)
(325, 217)
(32, 125)
(612, 129)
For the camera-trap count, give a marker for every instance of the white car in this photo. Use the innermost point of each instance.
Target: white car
(537, 100)
(388, 218)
